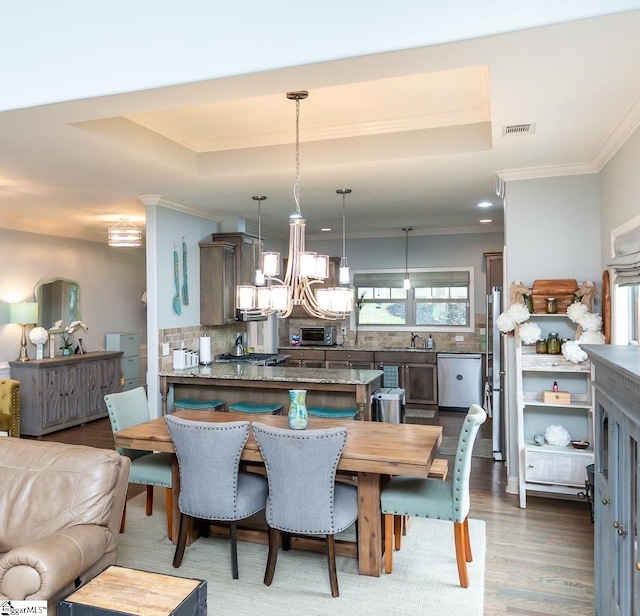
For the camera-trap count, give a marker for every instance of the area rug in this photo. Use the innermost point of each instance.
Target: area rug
(482, 448)
(424, 579)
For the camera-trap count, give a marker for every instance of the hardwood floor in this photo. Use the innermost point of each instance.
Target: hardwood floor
(539, 559)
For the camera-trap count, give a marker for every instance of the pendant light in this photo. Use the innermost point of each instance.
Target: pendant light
(344, 276)
(304, 268)
(259, 278)
(407, 281)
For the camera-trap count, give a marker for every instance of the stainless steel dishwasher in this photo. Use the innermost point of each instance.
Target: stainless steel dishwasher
(459, 380)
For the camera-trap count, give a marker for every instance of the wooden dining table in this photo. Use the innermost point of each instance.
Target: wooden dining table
(373, 452)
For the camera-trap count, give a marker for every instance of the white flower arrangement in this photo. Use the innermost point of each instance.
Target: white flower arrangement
(530, 333)
(38, 335)
(507, 321)
(66, 332)
(557, 435)
(589, 332)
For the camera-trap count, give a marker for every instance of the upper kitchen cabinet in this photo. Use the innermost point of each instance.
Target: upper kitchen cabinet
(217, 283)
(229, 259)
(247, 248)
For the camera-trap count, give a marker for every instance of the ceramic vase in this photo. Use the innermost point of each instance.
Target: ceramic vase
(298, 415)
(66, 351)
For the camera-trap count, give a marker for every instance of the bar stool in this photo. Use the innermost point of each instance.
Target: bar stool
(256, 408)
(332, 412)
(199, 405)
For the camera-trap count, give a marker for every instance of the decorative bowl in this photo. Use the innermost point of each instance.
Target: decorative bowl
(580, 444)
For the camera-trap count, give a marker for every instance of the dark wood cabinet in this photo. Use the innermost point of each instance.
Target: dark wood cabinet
(217, 283)
(304, 358)
(417, 375)
(362, 360)
(247, 254)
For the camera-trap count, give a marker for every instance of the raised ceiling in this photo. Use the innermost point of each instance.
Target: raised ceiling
(418, 135)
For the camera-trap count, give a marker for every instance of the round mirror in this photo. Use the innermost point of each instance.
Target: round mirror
(58, 300)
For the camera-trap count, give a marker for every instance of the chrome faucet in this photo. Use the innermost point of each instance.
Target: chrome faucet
(413, 341)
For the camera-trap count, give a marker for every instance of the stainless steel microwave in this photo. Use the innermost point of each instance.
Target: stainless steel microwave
(317, 336)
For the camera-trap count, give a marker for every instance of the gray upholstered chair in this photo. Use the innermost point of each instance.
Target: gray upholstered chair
(211, 485)
(130, 408)
(437, 499)
(304, 497)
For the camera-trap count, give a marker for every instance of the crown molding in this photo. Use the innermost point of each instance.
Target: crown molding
(54, 230)
(617, 137)
(415, 232)
(180, 206)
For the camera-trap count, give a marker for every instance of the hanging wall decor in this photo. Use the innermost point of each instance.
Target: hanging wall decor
(177, 307)
(185, 279)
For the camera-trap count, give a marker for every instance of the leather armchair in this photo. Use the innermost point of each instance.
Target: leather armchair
(60, 510)
(10, 407)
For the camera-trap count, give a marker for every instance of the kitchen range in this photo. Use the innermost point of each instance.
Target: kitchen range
(256, 359)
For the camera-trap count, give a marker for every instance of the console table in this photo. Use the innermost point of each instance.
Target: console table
(65, 391)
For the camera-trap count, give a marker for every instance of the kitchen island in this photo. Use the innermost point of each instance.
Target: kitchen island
(267, 384)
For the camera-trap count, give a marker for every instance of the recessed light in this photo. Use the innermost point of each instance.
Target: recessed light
(486, 220)
(326, 229)
(485, 204)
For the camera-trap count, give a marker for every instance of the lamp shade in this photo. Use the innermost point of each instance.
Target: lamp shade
(25, 313)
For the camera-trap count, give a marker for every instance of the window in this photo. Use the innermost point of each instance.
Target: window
(439, 299)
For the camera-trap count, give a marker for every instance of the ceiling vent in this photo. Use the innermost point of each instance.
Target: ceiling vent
(518, 129)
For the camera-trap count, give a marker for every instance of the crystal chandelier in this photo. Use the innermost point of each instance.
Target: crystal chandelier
(304, 269)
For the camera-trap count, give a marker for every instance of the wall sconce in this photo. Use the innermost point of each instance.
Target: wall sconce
(24, 313)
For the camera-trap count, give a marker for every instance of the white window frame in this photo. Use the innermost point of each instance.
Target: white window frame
(421, 328)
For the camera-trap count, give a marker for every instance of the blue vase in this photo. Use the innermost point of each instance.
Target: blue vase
(298, 415)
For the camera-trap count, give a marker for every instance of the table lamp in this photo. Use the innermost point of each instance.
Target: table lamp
(24, 313)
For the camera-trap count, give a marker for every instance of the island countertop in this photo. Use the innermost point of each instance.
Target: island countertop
(248, 372)
(333, 387)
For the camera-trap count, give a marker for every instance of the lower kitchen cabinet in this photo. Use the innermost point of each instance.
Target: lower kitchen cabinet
(616, 479)
(359, 360)
(304, 358)
(417, 375)
(65, 391)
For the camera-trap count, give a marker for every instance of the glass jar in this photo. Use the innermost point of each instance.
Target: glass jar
(553, 344)
(552, 305)
(528, 302)
(541, 345)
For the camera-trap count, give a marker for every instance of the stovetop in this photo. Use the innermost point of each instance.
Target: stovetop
(247, 356)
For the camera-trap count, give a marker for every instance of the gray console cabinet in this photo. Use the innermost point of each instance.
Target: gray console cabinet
(64, 391)
(616, 478)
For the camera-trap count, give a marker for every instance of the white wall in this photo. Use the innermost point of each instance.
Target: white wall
(620, 182)
(552, 230)
(112, 281)
(166, 229)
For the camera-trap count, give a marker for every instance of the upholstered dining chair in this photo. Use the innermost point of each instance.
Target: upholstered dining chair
(212, 486)
(10, 407)
(304, 498)
(130, 408)
(437, 499)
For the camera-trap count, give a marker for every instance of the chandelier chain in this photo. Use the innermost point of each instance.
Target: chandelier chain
(296, 186)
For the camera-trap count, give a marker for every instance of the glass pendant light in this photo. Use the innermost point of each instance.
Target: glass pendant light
(407, 280)
(259, 279)
(344, 276)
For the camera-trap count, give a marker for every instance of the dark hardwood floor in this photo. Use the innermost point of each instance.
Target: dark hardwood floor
(539, 559)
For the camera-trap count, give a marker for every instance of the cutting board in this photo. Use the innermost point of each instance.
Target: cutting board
(562, 289)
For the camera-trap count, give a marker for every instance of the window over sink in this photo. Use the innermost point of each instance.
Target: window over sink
(440, 299)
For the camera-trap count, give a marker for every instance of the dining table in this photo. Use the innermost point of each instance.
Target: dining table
(373, 452)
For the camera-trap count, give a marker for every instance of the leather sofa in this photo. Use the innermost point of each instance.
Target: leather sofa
(60, 511)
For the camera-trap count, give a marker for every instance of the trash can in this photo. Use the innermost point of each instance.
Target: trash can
(389, 404)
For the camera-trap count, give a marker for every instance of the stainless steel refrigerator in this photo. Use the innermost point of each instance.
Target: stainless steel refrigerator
(494, 374)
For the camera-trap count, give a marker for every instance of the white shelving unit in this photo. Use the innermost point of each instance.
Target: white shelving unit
(548, 468)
